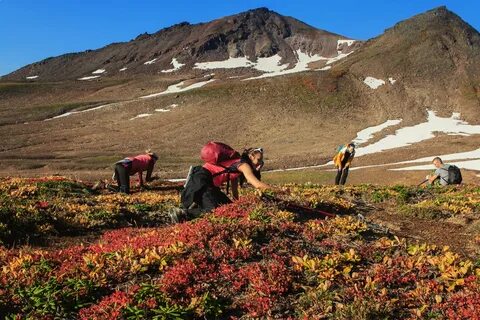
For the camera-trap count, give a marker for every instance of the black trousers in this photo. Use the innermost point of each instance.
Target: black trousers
(122, 174)
(342, 175)
(207, 199)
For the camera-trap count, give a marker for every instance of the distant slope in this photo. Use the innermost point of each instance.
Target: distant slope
(254, 34)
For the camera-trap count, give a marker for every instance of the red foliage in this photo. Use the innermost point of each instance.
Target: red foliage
(266, 284)
(189, 277)
(42, 204)
(109, 308)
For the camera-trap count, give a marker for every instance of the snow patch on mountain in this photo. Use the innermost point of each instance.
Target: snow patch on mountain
(373, 82)
(151, 61)
(142, 115)
(99, 71)
(176, 66)
(178, 87)
(88, 78)
(324, 68)
(341, 44)
(469, 165)
(167, 109)
(230, 63)
(424, 131)
(271, 66)
(366, 134)
(66, 114)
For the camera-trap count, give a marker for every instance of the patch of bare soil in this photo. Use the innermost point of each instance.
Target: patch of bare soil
(457, 235)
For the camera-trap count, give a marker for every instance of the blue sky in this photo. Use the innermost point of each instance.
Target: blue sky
(31, 30)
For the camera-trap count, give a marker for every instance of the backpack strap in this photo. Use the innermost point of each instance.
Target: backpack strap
(227, 170)
(443, 177)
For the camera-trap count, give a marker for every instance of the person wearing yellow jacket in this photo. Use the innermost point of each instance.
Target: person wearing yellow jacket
(342, 161)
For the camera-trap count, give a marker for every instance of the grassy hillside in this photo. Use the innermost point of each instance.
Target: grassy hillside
(245, 260)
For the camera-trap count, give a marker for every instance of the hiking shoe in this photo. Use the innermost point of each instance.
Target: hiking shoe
(176, 215)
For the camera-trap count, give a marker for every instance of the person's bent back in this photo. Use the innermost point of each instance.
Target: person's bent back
(132, 165)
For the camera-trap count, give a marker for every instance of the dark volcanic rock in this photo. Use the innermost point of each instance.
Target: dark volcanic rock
(255, 33)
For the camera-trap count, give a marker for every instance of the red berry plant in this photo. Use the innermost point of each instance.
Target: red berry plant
(248, 259)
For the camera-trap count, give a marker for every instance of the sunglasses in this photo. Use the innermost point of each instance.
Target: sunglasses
(258, 149)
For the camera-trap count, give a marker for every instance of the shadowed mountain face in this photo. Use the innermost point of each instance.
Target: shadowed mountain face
(187, 84)
(253, 34)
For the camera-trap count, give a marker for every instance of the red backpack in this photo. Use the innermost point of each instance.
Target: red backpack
(222, 156)
(216, 152)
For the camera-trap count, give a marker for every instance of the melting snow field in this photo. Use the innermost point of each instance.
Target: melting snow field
(303, 60)
(99, 71)
(373, 82)
(366, 134)
(176, 66)
(466, 160)
(88, 78)
(341, 44)
(392, 81)
(424, 131)
(271, 65)
(151, 61)
(469, 165)
(174, 88)
(409, 135)
(231, 63)
(343, 41)
(337, 58)
(167, 109)
(324, 68)
(469, 155)
(31, 77)
(142, 115)
(66, 114)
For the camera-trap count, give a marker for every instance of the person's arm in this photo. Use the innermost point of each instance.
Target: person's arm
(235, 188)
(432, 178)
(339, 160)
(148, 177)
(248, 173)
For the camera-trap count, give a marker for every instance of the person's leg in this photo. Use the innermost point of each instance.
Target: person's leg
(123, 178)
(212, 198)
(194, 213)
(344, 176)
(207, 200)
(337, 178)
(117, 176)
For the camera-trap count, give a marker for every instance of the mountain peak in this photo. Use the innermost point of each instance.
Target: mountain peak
(434, 22)
(261, 10)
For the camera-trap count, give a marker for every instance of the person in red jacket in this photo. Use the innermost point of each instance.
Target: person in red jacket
(202, 191)
(132, 165)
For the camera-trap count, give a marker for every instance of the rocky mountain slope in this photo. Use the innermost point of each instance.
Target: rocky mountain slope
(259, 33)
(409, 94)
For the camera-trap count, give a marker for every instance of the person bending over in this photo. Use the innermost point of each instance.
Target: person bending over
(132, 165)
(342, 162)
(203, 192)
